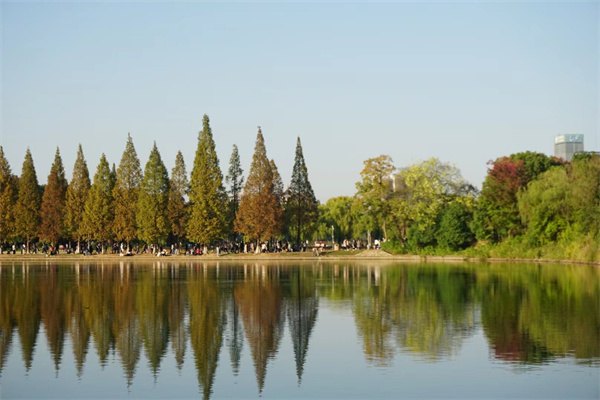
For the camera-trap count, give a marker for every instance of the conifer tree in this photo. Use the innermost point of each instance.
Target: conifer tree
(178, 190)
(259, 214)
(301, 206)
(235, 180)
(8, 198)
(27, 217)
(77, 193)
(152, 217)
(278, 192)
(208, 200)
(125, 194)
(98, 214)
(52, 227)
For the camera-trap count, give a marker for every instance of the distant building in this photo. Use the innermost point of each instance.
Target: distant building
(565, 146)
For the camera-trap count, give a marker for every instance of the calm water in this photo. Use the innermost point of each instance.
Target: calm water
(298, 330)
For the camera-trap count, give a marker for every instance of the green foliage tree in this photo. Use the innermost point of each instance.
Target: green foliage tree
(301, 205)
(27, 217)
(98, 213)
(260, 212)
(373, 190)
(454, 232)
(177, 207)
(278, 192)
(235, 180)
(208, 200)
(52, 227)
(77, 193)
(125, 194)
(336, 212)
(8, 199)
(152, 215)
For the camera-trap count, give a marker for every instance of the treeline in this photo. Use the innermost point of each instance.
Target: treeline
(530, 205)
(125, 206)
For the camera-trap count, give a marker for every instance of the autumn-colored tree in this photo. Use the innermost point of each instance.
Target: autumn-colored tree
(235, 180)
(301, 205)
(8, 198)
(260, 212)
(27, 217)
(125, 194)
(177, 207)
(77, 193)
(152, 217)
(52, 227)
(208, 200)
(98, 214)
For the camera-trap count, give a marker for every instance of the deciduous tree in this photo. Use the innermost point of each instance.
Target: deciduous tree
(259, 214)
(8, 199)
(52, 227)
(125, 194)
(208, 200)
(152, 218)
(98, 215)
(27, 217)
(178, 191)
(77, 193)
(301, 205)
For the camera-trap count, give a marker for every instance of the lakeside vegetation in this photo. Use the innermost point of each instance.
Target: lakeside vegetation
(530, 206)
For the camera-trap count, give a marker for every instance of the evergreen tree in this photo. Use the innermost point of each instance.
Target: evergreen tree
(77, 193)
(301, 206)
(27, 217)
(235, 180)
(98, 214)
(125, 194)
(52, 228)
(8, 198)
(178, 190)
(278, 192)
(208, 200)
(152, 217)
(260, 213)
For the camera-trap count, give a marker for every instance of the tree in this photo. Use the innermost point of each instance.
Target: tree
(98, 213)
(125, 194)
(77, 193)
(27, 217)
(454, 231)
(301, 206)
(208, 200)
(336, 212)
(373, 190)
(260, 213)
(278, 192)
(8, 199)
(178, 190)
(52, 228)
(152, 217)
(235, 180)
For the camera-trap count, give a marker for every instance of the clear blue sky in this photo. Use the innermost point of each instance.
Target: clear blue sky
(464, 82)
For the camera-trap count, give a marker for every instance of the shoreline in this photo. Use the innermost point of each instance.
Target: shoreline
(287, 257)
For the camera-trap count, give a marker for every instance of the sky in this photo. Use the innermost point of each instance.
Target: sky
(463, 82)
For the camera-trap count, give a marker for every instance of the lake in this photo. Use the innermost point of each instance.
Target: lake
(298, 330)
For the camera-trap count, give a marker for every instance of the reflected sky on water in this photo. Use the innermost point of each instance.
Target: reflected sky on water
(298, 330)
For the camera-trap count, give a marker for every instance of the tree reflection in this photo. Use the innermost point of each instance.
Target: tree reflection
(529, 314)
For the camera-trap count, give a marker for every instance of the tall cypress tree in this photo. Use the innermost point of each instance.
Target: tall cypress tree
(278, 192)
(125, 194)
(208, 200)
(152, 218)
(259, 214)
(52, 228)
(77, 193)
(235, 180)
(301, 206)
(177, 207)
(27, 217)
(98, 213)
(8, 198)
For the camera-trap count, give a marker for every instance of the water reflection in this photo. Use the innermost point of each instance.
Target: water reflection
(529, 314)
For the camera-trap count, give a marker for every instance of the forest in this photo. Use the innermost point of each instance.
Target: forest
(530, 206)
